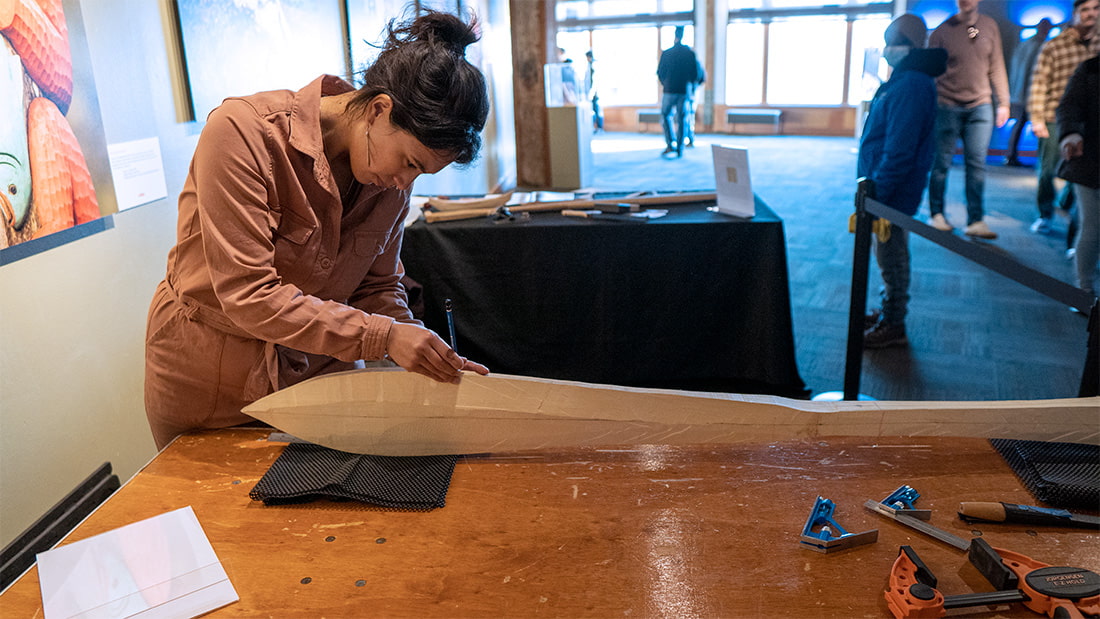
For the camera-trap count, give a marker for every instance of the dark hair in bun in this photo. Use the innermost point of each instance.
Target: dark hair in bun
(438, 96)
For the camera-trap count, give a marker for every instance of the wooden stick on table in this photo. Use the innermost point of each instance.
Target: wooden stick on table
(557, 205)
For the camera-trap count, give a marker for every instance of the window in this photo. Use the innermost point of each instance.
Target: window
(745, 63)
(867, 46)
(806, 61)
(627, 67)
(626, 38)
(801, 52)
(586, 9)
(788, 4)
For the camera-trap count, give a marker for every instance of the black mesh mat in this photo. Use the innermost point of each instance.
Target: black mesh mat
(305, 472)
(1065, 475)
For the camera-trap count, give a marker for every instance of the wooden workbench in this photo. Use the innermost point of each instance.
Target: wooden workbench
(703, 531)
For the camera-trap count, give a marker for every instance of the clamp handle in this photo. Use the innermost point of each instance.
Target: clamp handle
(912, 591)
(1054, 591)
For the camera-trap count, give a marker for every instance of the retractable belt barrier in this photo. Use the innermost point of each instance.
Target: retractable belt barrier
(867, 208)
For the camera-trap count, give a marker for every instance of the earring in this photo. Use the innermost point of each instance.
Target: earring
(367, 135)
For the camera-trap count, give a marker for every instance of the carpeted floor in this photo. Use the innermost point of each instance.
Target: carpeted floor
(974, 334)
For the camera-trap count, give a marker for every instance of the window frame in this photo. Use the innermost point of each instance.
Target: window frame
(766, 15)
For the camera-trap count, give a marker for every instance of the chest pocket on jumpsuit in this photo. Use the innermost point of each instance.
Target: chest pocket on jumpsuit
(294, 254)
(371, 243)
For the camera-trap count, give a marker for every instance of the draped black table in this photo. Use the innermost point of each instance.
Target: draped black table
(694, 300)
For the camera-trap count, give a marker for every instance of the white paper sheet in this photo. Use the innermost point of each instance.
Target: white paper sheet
(137, 171)
(160, 567)
(731, 180)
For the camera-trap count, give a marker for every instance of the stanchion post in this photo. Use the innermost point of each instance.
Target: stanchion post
(857, 307)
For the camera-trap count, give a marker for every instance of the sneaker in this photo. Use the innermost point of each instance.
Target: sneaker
(1042, 225)
(668, 150)
(885, 335)
(979, 230)
(1070, 253)
(940, 222)
(871, 319)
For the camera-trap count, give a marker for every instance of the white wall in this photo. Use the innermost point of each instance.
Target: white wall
(72, 319)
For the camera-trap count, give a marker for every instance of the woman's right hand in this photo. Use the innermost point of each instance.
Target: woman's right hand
(420, 350)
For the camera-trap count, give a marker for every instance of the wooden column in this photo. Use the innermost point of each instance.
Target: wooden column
(710, 64)
(532, 41)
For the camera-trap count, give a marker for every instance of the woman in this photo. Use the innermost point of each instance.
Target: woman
(290, 225)
(1078, 118)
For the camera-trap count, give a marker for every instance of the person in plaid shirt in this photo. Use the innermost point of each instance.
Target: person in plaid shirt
(1057, 62)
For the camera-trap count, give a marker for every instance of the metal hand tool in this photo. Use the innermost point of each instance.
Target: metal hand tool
(1025, 514)
(823, 533)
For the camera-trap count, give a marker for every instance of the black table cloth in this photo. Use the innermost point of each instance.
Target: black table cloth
(694, 300)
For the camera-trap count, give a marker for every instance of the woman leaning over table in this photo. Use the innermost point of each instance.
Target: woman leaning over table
(290, 225)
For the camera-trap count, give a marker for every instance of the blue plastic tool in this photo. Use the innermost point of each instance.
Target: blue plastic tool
(823, 533)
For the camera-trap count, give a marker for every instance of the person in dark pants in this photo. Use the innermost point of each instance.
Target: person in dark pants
(895, 153)
(677, 68)
(1057, 61)
(1078, 117)
(1019, 82)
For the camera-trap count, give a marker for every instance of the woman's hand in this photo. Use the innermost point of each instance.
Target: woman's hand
(420, 350)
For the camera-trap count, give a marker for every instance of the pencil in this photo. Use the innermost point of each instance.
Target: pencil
(449, 308)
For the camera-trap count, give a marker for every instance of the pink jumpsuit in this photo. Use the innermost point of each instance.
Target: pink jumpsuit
(272, 279)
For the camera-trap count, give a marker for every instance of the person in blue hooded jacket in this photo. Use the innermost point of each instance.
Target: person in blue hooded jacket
(895, 153)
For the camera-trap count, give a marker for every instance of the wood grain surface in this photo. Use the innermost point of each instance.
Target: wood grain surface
(636, 531)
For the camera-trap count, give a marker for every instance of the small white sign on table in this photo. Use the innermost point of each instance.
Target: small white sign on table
(731, 179)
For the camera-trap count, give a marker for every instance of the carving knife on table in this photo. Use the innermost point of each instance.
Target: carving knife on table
(1026, 514)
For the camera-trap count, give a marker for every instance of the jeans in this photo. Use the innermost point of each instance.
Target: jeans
(893, 260)
(1088, 239)
(672, 105)
(974, 125)
(1049, 156)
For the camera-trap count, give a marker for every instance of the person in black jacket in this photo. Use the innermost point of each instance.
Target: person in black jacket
(1078, 117)
(677, 69)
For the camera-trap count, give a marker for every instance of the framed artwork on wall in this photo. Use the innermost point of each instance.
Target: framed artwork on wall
(54, 171)
(234, 47)
(367, 21)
